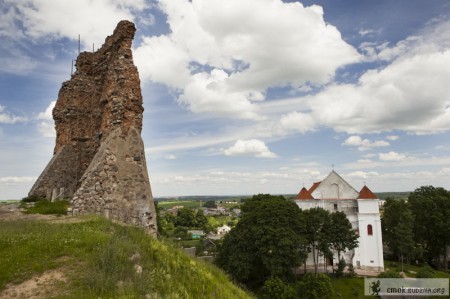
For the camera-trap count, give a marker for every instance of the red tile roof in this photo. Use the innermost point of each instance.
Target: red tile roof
(304, 194)
(314, 186)
(365, 193)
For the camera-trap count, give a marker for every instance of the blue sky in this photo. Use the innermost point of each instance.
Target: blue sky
(245, 97)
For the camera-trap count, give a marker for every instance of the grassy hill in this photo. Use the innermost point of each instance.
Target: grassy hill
(90, 257)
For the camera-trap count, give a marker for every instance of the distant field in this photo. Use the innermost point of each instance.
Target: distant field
(397, 195)
(185, 203)
(7, 201)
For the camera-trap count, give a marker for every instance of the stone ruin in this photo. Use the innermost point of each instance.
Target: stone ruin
(99, 159)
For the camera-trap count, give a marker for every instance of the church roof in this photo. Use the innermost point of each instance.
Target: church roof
(365, 193)
(314, 186)
(304, 194)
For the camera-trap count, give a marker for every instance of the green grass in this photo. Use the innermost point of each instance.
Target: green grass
(97, 256)
(411, 270)
(47, 207)
(348, 287)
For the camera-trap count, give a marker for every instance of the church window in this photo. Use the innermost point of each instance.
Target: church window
(369, 230)
(335, 207)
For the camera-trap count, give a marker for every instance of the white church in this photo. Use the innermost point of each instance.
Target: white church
(362, 210)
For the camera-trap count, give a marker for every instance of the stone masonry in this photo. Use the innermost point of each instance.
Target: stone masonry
(99, 160)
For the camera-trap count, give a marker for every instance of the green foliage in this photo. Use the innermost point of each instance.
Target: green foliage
(351, 271)
(425, 272)
(210, 204)
(347, 288)
(267, 241)
(103, 258)
(47, 207)
(185, 217)
(32, 198)
(431, 208)
(341, 234)
(314, 286)
(274, 287)
(389, 274)
(398, 225)
(326, 231)
(340, 268)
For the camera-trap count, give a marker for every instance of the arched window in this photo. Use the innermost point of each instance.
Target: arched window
(369, 230)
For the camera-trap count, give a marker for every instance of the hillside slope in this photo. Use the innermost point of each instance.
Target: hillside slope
(91, 257)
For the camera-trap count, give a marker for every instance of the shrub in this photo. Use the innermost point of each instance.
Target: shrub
(351, 271)
(425, 272)
(49, 208)
(32, 198)
(389, 274)
(340, 268)
(314, 286)
(274, 287)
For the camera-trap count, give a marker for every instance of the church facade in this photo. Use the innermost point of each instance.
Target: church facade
(362, 210)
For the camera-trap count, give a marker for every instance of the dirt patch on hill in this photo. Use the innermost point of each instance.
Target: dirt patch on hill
(43, 285)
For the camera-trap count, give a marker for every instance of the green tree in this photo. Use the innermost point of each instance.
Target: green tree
(341, 234)
(200, 219)
(267, 241)
(185, 217)
(398, 224)
(431, 208)
(210, 204)
(317, 233)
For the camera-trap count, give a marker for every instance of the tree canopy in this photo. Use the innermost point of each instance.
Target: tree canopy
(267, 241)
(431, 209)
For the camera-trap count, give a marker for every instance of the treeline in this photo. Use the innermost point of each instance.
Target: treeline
(418, 230)
(274, 236)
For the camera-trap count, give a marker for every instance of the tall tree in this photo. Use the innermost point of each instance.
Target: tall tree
(317, 232)
(341, 234)
(431, 208)
(398, 228)
(267, 241)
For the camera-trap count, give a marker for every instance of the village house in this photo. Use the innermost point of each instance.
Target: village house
(362, 210)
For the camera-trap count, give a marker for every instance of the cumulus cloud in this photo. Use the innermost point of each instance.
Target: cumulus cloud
(252, 147)
(47, 114)
(224, 55)
(391, 156)
(362, 174)
(364, 144)
(297, 121)
(42, 19)
(8, 118)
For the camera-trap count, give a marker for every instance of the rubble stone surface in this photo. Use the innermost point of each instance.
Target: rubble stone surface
(99, 160)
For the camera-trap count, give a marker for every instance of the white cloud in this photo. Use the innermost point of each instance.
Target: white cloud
(391, 156)
(297, 121)
(170, 157)
(8, 118)
(252, 147)
(47, 129)
(13, 180)
(47, 114)
(59, 19)
(392, 137)
(221, 56)
(362, 174)
(364, 144)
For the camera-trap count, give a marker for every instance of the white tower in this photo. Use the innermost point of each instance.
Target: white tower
(369, 254)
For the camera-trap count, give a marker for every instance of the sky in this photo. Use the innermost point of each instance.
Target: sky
(245, 97)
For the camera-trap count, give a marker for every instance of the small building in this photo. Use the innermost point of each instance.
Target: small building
(196, 234)
(362, 210)
(223, 230)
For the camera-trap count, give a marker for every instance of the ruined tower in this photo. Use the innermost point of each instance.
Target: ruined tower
(99, 160)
